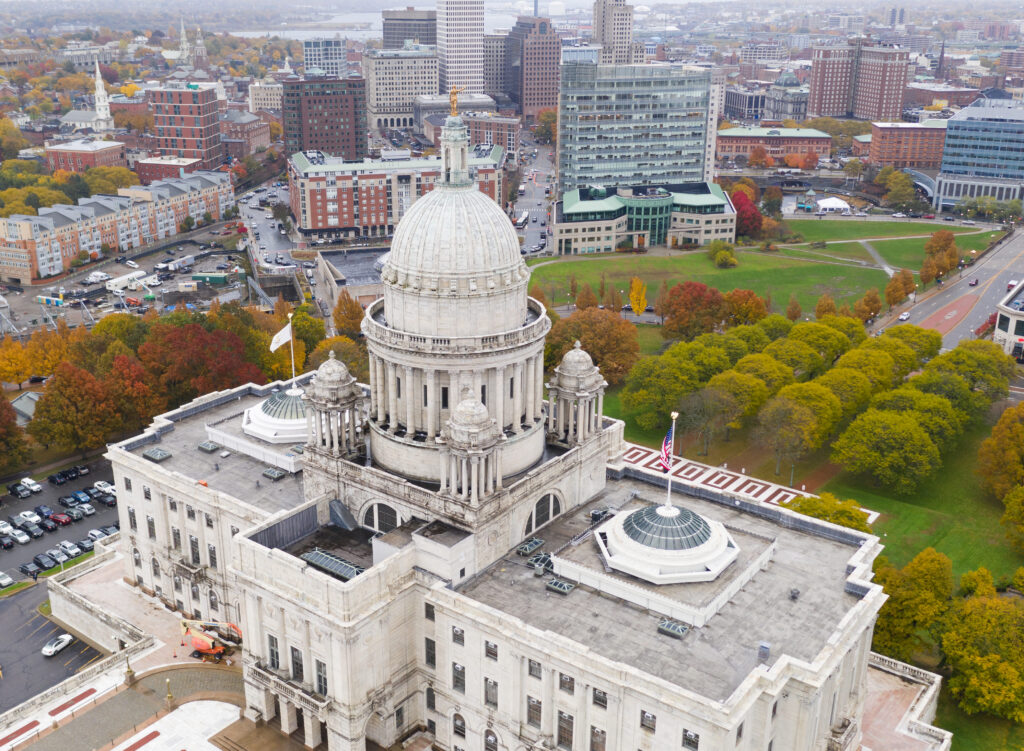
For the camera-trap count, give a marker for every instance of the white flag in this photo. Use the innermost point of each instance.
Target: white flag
(281, 337)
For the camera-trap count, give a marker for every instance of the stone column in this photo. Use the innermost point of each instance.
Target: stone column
(310, 440)
(289, 720)
(517, 401)
(600, 408)
(381, 391)
(374, 382)
(551, 411)
(444, 461)
(431, 406)
(410, 402)
(478, 382)
(311, 726)
(499, 397)
(392, 399)
(474, 479)
(497, 467)
(464, 475)
(538, 362)
(353, 417)
(531, 389)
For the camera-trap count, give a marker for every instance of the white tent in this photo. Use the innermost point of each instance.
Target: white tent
(831, 204)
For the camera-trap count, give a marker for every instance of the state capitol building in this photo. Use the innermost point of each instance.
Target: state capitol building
(465, 552)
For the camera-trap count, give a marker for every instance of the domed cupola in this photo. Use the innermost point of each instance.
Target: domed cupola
(280, 418)
(576, 396)
(470, 464)
(335, 409)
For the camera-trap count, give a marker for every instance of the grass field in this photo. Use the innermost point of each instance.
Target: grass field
(650, 339)
(852, 251)
(815, 230)
(765, 274)
(908, 253)
(978, 732)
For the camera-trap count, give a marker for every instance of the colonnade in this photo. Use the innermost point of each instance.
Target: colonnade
(577, 418)
(333, 430)
(470, 476)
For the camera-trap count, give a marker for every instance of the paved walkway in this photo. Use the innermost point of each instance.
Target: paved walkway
(189, 727)
(889, 270)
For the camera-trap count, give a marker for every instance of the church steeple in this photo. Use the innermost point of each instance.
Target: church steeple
(100, 96)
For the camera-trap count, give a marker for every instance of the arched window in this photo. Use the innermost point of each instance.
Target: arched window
(490, 741)
(546, 509)
(214, 602)
(156, 568)
(195, 593)
(459, 726)
(381, 517)
(137, 557)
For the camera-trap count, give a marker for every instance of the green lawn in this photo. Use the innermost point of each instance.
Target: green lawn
(950, 513)
(633, 433)
(650, 338)
(909, 253)
(815, 230)
(852, 251)
(978, 732)
(766, 274)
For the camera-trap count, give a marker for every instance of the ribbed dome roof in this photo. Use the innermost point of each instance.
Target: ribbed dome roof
(454, 231)
(576, 361)
(667, 528)
(285, 405)
(470, 413)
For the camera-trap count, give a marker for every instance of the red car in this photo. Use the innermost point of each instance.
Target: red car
(928, 216)
(61, 519)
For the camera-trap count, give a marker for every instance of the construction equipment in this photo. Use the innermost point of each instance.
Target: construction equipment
(205, 645)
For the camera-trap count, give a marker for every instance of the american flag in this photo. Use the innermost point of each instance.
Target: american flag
(666, 451)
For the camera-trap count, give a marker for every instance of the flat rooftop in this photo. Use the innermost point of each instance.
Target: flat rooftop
(359, 267)
(718, 656)
(236, 475)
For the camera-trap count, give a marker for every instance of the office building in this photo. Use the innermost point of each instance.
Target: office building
(716, 103)
(772, 53)
(895, 16)
(394, 78)
(744, 102)
(186, 122)
(327, 115)
(440, 104)
(83, 154)
(778, 143)
(324, 57)
(153, 168)
(857, 80)
(533, 53)
(982, 154)
(631, 124)
(409, 25)
(484, 128)
(333, 198)
(266, 95)
(613, 31)
(786, 99)
(914, 145)
(460, 45)
(495, 48)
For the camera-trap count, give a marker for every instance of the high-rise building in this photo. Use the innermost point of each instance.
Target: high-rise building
(613, 30)
(895, 16)
(494, 63)
(327, 56)
(981, 155)
(186, 122)
(265, 95)
(409, 25)
(393, 79)
(533, 52)
(325, 114)
(764, 52)
(857, 80)
(631, 124)
(460, 45)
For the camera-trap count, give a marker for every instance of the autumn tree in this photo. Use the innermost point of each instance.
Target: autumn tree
(904, 358)
(655, 387)
(345, 350)
(786, 427)
(877, 365)
(900, 190)
(831, 509)
(744, 307)
(825, 340)
(849, 327)
(75, 412)
(906, 278)
(637, 295)
(307, 329)
(933, 413)
(586, 298)
(771, 200)
(661, 301)
(609, 339)
(982, 364)
(888, 448)
(751, 335)
(707, 360)
(894, 291)
(920, 594)
(870, 305)
(15, 366)
(939, 243)
(799, 356)
(748, 392)
(925, 342)
(46, 349)
(1001, 455)
(347, 315)
(929, 271)
(793, 310)
(612, 299)
(706, 413)
(768, 370)
(822, 403)
(810, 160)
(759, 158)
(134, 399)
(691, 309)
(825, 306)
(13, 447)
(1012, 520)
(851, 387)
(748, 218)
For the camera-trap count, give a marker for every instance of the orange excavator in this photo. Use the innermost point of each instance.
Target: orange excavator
(203, 644)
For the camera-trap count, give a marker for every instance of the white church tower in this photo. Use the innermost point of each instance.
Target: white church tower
(103, 119)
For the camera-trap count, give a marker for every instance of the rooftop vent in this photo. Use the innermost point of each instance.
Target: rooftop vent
(561, 586)
(794, 594)
(208, 447)
(675, 629)
(156, 455)
(764, 651)
(529, 546)
(297, 448)
(332, 564)
(274, 473)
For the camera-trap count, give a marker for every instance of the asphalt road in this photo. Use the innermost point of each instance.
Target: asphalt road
(271, 241)
(25, 671)
(534, 200)
(19, 554)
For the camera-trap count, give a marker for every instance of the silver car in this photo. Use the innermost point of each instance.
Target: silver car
(57, 555)
(69, 549)
(86, 508)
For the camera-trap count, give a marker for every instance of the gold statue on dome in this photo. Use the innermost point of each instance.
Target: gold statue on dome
(453, 97)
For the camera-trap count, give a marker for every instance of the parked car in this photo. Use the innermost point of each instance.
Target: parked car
(95, 535)
(18, 490)
(75, 514)
(6, 542)
(131, 264)
(70, 549)
(80, 469)
(5, 580)
(31, 516)
(905, 315)
(81, 497)
(72, 473)
(62, 520)
(32, 530)
(107, 500)
(56, 644)
(109, 530)
(972, 283)
(58, 555)
(928, 216)
(948, 218)
(20, 537)
(68, 501)
(32, 485)
(44, 561)
(87, 509)
(969, 221)
(44, 511)
(104, 487)
(48, 524)
(29, 569)
(5, 528)
(85, 545)
(93, 493)
(57, 478)
(899, 215)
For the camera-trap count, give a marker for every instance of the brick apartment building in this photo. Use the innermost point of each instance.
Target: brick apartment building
(186, 122)
(156, 168)
(327, 115)
(533, 52)
(915, 145)
(857, 80)
(83, 154)
(485, 128)
(778, 142)
(243, 134)
(928, 94)
(332, 198)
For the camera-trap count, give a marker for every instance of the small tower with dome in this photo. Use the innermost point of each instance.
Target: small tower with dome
(575, 398)
(335, 413)
(470, 461)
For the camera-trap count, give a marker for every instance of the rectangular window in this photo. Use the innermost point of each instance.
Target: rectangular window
(483, 393)
(534, 669)
(209, 521)
(565, 730)
(739, 732)
(444, 397)
(533, 711)
(190, 512)
(145, 493)
(321, 677)
(127, 484)
(1004, 322)
(458, 635)
(691, 740)
(430, 652)
(131, 519)
(775, 709)
(597, 739)
(567, 683)
(600, 699)
(193, 543)
(490, 650)
(173, 504)
(490, 692)
(425, 404)
(428, 611)
(399, 718)
(398, 387)
(297, 673)
(511, 387)
(458, 678)
(212, 552)
(176, 538)
(431, 699)
(647, 720)
(1018, 328)
(273, 656)
(151, 527)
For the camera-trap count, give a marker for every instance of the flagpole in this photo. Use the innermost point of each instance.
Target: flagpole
(291, 345)
(671, 449)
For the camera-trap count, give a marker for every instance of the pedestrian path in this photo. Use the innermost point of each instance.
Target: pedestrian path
(889, 270)
(188, 727)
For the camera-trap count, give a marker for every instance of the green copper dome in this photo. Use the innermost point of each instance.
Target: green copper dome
(667, 528)
(285, 405)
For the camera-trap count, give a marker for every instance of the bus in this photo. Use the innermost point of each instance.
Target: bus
(523, 220)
